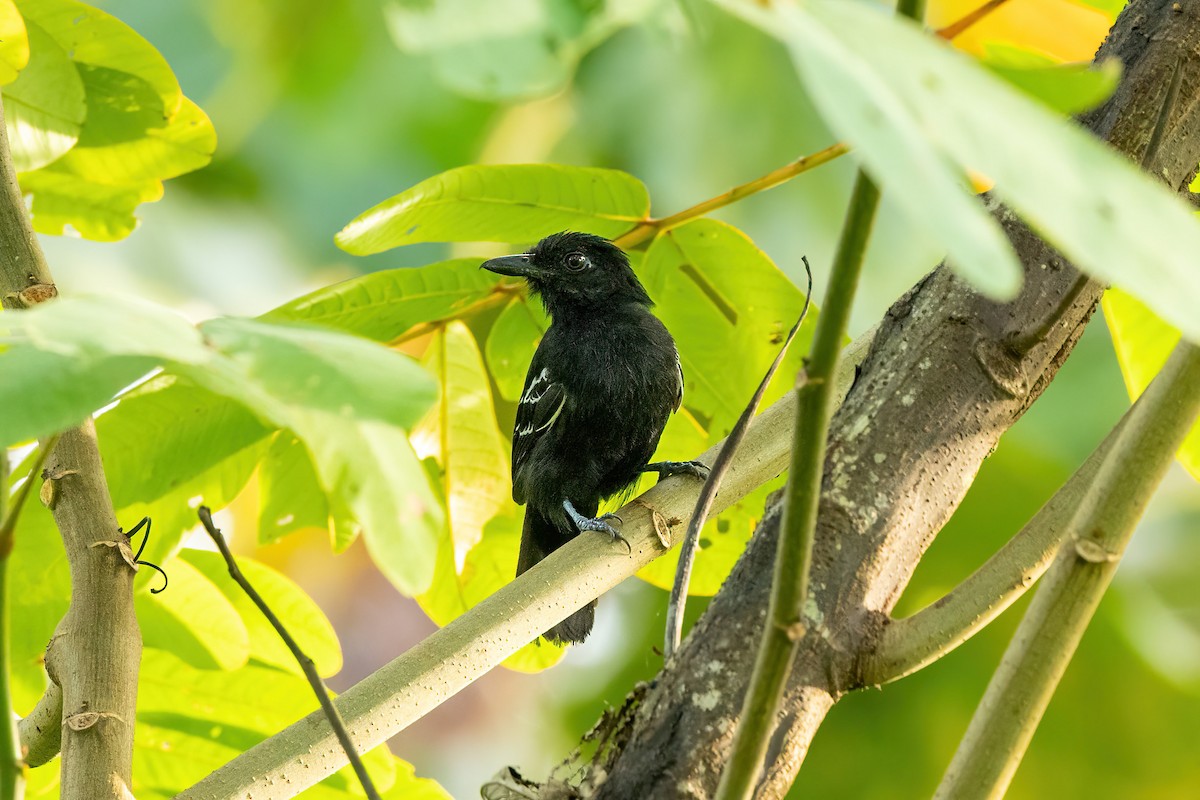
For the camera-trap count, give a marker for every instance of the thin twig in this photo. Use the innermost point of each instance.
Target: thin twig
(687, 551)
(9, 524)
(11, 766)
(645, 231)
(306, 663)
(957, 28)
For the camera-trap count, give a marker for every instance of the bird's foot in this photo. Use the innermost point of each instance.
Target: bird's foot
(600, 524)
(665, 469)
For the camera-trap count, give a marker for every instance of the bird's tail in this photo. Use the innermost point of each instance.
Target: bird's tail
(539, 538)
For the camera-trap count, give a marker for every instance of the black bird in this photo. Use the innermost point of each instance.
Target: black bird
(602, 385)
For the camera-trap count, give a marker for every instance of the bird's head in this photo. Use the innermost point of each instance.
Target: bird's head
(575, 271)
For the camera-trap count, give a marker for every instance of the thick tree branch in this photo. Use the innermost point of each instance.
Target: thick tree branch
(412, 685)
(1042, 647)
(940, 386)
(95, 652)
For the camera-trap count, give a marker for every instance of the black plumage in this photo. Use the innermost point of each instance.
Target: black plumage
(602, 385)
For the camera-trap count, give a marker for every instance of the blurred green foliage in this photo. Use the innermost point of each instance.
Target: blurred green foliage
(324, 108)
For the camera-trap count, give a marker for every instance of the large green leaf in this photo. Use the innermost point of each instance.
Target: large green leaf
(193, 619)
(192, 721)
(729, 309)
(63, 360)
(383, 305)
(509, 203)
(346, 398)
(461, 434)
(511, 343)
(1143, 342)
(44, 107)
(98, 39)
(14, 43)
(297, 611)
(96, 211)
(912, 106)
(1066, 88)
(290, 497)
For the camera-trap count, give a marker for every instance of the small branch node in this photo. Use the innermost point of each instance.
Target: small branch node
(662, 526)
(1093, 552)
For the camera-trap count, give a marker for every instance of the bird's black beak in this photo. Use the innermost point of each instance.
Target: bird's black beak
(518, 266)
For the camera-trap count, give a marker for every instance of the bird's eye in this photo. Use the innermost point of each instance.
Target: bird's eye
(577, 261)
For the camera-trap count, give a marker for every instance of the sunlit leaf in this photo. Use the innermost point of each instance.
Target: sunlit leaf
(509, 203)
(348, 400)
(214, 638)
(98, 39)
(44, 107)
(461, 434)
(511, 343)
(96, 211)
(729, 309)
(1066, 88)
(383, 305)
(14, 43)
(290, 497)
(911, 106)
(297, 611)
(1143, 342)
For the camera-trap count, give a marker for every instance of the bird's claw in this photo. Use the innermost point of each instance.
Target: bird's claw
(665, 469)
(601, 524)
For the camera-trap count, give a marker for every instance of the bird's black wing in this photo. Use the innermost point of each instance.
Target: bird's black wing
(540, 406)
(679, 378)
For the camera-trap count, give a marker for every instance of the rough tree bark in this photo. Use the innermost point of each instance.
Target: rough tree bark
(95, 652)
(948, 373)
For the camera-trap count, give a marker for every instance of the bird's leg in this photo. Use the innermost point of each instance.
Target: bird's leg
(665, 469)
(600, 524)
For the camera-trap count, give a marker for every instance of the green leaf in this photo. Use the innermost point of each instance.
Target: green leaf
(193, 620)
(1066, 88)
(297, 611)
(98, 39)
(461, 434)
(63, 360)
(344, 397)
(729, 309)
(167, 432)
(1143, 342)
(44, 107)
(14, 44)
(1111, 8)
(509, 203)
(511, 343)
(507, 49)
(383, 305)
(908, 104)
(39, 593)
(490, 564)
(290, 497)
(96, 211)
(192, 721)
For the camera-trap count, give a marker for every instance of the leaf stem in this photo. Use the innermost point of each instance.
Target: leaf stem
(645, 231)
(789, 590)
(302, 658)
(1009, 713)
